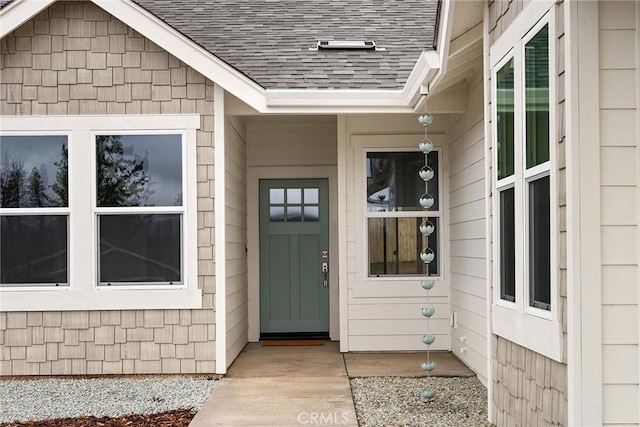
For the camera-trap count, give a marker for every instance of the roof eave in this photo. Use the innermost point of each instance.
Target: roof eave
(303, 101)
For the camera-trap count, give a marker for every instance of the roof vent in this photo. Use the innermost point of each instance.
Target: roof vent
(347, 44)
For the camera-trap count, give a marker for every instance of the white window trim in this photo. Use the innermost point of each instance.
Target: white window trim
(394, 286)
(534, 328)
(82, 293)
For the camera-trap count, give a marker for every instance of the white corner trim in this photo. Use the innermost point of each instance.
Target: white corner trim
(18, 12)
(488, 185)
(220, 230)
(342, 233)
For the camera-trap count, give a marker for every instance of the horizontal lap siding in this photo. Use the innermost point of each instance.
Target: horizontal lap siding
(237, 326)
(528, 388)
(381, 318)
(468, 233)
(619, 182)
(71, 59)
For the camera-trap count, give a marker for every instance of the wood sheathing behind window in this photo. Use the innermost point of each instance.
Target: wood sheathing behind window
(73, 58)
(530, 389)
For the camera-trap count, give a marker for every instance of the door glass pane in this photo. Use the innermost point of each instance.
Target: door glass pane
(294, 196)
(294, 213)
(276, 196)
(33, 249)
(139, 170)
(311, 196)
(33, 171)
(311, 214)
(393, 182)
(507, 245)
(276, 213)
(395, 245)
(505, 120)
(536, 57)
(142, 248)
(540, 244)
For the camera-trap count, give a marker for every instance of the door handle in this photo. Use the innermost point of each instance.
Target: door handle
(325, 273)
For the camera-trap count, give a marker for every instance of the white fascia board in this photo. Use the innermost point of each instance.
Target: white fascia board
(357, 100)
(187, 51)
(18, 12)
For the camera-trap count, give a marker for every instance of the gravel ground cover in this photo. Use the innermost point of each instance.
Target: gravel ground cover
(394, 401)
(60, 398)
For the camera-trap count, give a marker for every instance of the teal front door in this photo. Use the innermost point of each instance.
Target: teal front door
(294, 257)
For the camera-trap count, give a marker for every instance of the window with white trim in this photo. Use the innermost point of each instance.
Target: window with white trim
(34, 210)
(525, 196)
(98, 204)
(394, 215)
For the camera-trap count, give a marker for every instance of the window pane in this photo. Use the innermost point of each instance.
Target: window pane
(311, 196)
(294, 214)
(540, 244)
(294, 196)
(311, 214)
(276, 196)
(507, 245)
(276, 213)
(505, 120)
(537, 97)
(395, 245)
(33, 171)
(393, 183)
(140, 248)
(33, 249)
(139, 170)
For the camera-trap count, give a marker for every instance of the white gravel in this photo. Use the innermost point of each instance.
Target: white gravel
(394, 401)
(38, 399)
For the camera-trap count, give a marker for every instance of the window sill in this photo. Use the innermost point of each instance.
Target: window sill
(544, 336)
(120, 299)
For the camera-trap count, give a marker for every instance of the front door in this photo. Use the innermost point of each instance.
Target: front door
(294, 244)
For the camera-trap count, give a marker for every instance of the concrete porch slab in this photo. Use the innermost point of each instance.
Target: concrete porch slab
(404, 365)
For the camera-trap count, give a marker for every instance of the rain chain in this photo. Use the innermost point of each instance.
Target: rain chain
(427, 255)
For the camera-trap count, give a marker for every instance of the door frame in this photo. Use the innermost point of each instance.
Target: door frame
(255, 174)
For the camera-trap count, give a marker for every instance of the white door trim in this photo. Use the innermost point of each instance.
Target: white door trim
(255, 174)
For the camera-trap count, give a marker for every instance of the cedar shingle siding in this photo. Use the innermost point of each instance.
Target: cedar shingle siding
(74, 58)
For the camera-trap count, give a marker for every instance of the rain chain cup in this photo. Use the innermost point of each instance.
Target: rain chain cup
(426, 254)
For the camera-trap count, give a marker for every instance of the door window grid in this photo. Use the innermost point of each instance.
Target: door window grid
(294, 204)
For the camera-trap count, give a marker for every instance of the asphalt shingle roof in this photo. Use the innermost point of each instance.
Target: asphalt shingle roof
(269, 40)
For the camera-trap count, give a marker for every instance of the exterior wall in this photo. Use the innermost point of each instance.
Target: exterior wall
(529, 388)
(75, 59)
(237, 326)
(290, 147)
(468, 232)
(385, 314)
(619, 185)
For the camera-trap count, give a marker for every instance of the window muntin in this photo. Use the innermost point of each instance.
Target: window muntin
(300, 204)
(34, 210)
(140, 208)
(394, 214)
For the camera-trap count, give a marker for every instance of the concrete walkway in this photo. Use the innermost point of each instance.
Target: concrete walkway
(297, 386)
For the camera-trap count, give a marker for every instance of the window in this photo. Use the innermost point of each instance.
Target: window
(394, 214)
(300, 204)
(525, 198)
(139, 208)
(98, 204)
(34, 210)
